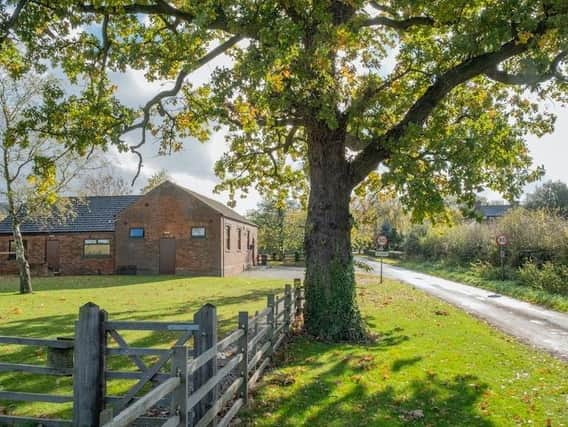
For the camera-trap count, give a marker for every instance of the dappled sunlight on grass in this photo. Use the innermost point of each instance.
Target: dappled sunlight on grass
(432, 365)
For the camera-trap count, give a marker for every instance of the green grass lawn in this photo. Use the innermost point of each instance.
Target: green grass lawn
(53, 308)
(433, 365)
(506, 287)
(430, 357)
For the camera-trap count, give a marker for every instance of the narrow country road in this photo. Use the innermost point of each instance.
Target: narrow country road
(539, 327)
(542, 328)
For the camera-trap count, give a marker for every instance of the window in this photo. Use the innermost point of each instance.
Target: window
(12, 249)
(136, 233)
(198, 232)
(228, 237)
(96, 248)
(248, 239)
(239, 238)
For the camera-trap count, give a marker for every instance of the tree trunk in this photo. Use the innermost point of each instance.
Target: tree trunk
(331, 311)
(23, 265)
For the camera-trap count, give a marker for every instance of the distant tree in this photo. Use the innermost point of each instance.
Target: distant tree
(34, 167)
(106, 183)
(280, 227)
(294, 229)
(156, 179)
(552, 195)
(381, 213)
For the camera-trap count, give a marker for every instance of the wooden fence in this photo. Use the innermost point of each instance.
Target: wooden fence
(204, 385)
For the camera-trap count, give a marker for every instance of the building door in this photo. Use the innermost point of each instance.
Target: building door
(52, 255)
(167, 256)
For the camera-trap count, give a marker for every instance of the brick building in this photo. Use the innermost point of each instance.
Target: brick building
(170, 230)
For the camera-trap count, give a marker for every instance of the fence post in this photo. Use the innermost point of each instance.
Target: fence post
(181, 393)
(255, 331)
(89, 366)
(298, 296)
(244, 325)
(270, 320)
(287, 307)
(205, 339)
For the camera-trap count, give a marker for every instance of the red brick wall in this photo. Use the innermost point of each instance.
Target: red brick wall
(169, 212)
(71, 256)
(236, 260)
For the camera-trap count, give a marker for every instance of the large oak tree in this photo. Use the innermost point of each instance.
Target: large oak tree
(426, 96)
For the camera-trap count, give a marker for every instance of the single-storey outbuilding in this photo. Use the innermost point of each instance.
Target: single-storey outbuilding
(169, 230)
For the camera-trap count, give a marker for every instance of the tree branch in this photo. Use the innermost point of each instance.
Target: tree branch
(173, 91)
(376, 151)
(160, 7)
(7, 25)
(530, 79)
(398, 24)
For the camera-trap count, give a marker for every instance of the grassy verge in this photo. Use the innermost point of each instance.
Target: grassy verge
(432, 366)
(506, 287)
(52, 310)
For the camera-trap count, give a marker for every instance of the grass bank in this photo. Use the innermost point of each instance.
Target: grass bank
(466, 275)
(433, 365)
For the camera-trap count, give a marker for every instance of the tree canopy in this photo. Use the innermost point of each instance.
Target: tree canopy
(429, 98)
(424, 88)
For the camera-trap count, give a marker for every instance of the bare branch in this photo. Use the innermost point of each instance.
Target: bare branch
(173, 91)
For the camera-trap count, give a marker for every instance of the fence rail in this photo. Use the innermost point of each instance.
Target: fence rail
(199, 386)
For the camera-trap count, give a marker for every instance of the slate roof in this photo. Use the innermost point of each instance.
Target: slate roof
(92, 214)
(217, 206)
(494, 211)
(99, 214)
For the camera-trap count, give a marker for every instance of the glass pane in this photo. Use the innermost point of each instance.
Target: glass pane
(198, 231)
(97, 250)
(136, 232)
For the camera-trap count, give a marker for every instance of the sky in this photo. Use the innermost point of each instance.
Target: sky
(193, 166)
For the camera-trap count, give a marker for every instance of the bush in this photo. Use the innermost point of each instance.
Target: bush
(550, 277)
(488, 271)
(533, 236)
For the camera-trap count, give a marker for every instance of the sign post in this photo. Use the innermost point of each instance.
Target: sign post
(502, 241)
(382, 242)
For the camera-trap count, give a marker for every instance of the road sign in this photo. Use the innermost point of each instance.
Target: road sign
(382, 240)
(502, 240)
(382, 253)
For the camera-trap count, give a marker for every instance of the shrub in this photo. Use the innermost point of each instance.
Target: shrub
(550, 277)
(488, 271)
(533, 235)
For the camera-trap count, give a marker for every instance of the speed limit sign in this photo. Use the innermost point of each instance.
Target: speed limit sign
(382, 240)
(502, 240)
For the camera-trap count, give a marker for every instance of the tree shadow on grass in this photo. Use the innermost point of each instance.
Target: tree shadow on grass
(342, 390)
